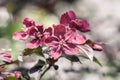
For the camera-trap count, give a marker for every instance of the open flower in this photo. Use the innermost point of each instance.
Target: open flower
(39, 35)
(6, 57)
(23, 35)
(69, 18)
(34, 31)
(64, 40)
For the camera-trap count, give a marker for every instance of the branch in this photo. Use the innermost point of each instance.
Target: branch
(16, 61)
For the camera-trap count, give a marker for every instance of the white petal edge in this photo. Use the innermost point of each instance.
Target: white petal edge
(87, 51)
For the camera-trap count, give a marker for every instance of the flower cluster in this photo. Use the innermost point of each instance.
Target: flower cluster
(64, 38)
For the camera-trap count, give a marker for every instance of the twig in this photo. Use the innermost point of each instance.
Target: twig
(16, 61)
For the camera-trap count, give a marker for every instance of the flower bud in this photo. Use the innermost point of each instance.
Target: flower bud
(6, 57)
(18, 74)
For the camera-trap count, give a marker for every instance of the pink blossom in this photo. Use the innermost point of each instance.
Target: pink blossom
(24, 34)
(6, 57)
(97, 47)
(28, 23)
(64, 40)
(33, 31)
(39, 35)
(21, 35)
(18, 74)
(81, 25)
(69, 18)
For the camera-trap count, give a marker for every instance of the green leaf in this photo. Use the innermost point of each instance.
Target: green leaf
(72, 58)
(41, 62)
(24, 73)
(28, 51)
(37, 67)
(94, 59)
(97, 61)
(23, 79)
(11, 78)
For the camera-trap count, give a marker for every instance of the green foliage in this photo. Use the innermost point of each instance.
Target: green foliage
(72, 58)
(13, 78)
(24, 73)
(97, 61)
(28, 51)
(40, 63)
(37, 67)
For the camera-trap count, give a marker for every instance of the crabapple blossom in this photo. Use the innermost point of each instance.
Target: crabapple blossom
(39, 35)
(69, 18)
(60, 40)
(33, 31)
(6, 57)
(64, 40)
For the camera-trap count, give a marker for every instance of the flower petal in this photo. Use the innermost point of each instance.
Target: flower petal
(72, 15)
(86, 51)
(59, 30)
(33, 44)
(73, 37)
(51, 42)
(97, 47)
(78, 39)
(48, 32)
(64, 19)
(70, 33)
(20, 35)
(28, 23)
(82, 25)
(67, 17)
(32, 31)
(70, 49)
(56, 52)
(85, 26)
(40, 27)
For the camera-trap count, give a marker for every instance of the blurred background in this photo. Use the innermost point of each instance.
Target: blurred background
(104, 19)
